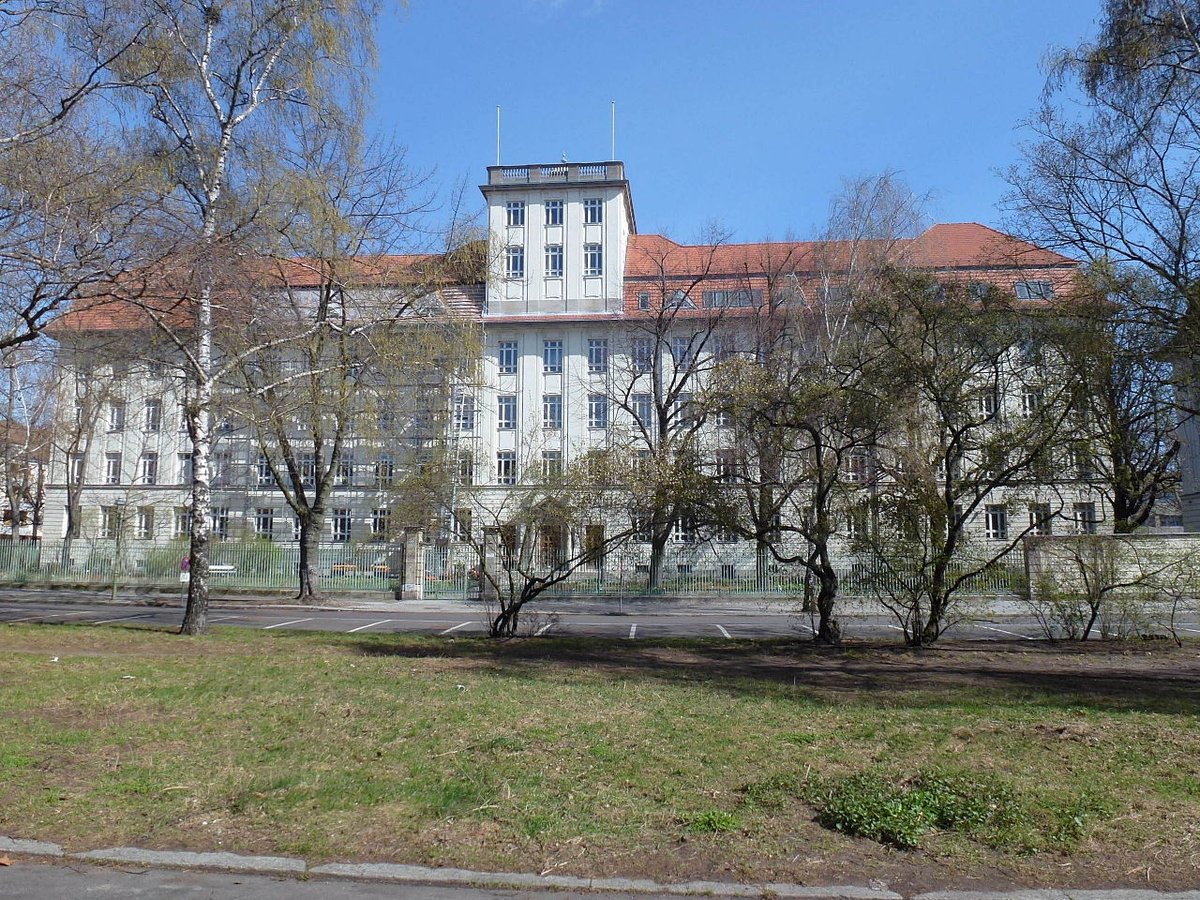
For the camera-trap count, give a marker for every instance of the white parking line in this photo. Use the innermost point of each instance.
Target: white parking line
(282, 624)
(223, 618)
(632, 631)
(122, 619)
(1002, 631)
(807, 628)
(721, 628)
(365, 627)
(543, 629)
(49, 616)
(455, 627)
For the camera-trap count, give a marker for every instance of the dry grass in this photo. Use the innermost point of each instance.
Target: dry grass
(677, 759)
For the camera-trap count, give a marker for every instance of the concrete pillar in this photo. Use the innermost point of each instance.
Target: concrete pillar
(412, 579)
(490, 563)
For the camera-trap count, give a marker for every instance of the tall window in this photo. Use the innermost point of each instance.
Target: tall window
(554, 260)
(144, 524)
(597, 411)
(551, 463)
(116, 416)
(643, 409)
(1031, 400)
(149, 469)
(385, 470)
(597, 355)
(552, 357)
(152, 416)
(593, 259)
(460, 524)
(684, 411)
(112, 468)
(552, 410)
(506, 412)
(514, 213)
(466, 468)
(995, 522)
(554, 212)
(219, 517)
(506, 467)
(593, 211)
(75, 468)
(222, 465)
(643, 299)
(183, 521)
(681, 351)
(265, 479)
(264, 522)
(1041, 518)
(341, 526)
(508, 358)
(345, 471)
(643, 354)
(1085, 518)
(683, 531)
(464, 412)
(187, 468)
(514, 261)
(110, 521)
(308, 469)
(381, 522)
(727, 466)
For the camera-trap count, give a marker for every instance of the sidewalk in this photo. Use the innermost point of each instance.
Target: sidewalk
(48, 871)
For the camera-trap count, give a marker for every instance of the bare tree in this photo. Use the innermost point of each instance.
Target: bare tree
(215, 87)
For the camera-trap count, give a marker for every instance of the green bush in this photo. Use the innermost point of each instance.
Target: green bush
(712, 821)
(891, 811)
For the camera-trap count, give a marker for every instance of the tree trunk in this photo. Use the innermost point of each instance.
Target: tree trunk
(195, 617)
(505, 623)
(310, 558)
(658, 550)
(829, 630)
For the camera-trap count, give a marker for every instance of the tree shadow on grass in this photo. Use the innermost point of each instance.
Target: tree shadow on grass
(1096, 676)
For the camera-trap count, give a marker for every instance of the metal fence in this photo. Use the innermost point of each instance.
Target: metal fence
(450, 570)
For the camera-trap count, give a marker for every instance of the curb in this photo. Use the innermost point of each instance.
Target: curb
(396, 872)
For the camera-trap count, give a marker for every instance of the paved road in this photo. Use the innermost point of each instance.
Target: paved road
(635, 621)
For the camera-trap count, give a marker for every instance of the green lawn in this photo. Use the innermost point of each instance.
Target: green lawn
(675, 759)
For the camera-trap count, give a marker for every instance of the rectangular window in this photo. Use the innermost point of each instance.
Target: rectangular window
(508, 358)
(1035, 290)
(681, 351)
(552, 410)
(155, 369)
(643, 299)
(381, 522)
(464, 412)
(345, 471)
(1031, 400)
(183, 521)
(152, 416)
(643, 410)
(593, 211)
(989, 403)
(222, 469)
(1081, 462)
(551, 463)
(186, 469)
(112, 468)
(514, 261)
(75, 468)
(110, 522)
(460, 523)
(995, 522)
(265, 479)
(506, 412)
(552, 357)
(598, 356)
(554, 260)
(514, 213)
(684, 530)
(144, 525)
(643, 354)
(593, 259)
(554, 212)
(385, 471)
(738, 298)
(684, 411)
(597, 411)
(506, 467)
(1085, 518)
(639, 524)
(341, 526)
(724, 418)
(856, 467)
(148, 473)
(264, 522)
(116, 416)
(466, 468)
(308, 470)
(219, 518)
(727, 466)
(1040, 518)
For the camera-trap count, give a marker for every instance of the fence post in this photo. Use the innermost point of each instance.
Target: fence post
(489, 564)
(412, 580)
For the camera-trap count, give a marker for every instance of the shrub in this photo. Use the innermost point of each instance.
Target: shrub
(712, 821)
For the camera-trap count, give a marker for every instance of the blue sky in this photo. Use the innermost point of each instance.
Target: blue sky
(747, 113)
